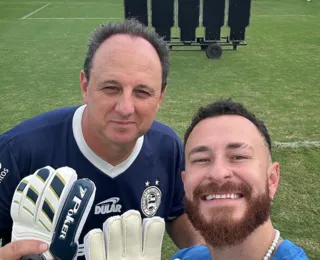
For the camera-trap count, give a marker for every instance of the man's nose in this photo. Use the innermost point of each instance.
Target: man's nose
(125, 105)
(219, 172)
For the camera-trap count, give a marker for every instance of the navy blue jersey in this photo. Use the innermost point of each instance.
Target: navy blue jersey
(149, 180)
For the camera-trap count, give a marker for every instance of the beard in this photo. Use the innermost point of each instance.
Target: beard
(222, 230)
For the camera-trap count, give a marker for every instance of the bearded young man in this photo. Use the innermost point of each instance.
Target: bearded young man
(230, 181)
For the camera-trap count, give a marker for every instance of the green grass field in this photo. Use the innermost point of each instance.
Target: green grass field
(277, 76)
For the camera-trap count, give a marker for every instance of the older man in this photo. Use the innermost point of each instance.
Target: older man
(113, 139)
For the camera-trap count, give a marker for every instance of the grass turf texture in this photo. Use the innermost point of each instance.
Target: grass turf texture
(276, 76)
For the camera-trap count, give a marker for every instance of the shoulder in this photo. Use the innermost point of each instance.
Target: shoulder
(193, 253)
(163, 142)
(288, 250)
(39, 124)
(163, 131)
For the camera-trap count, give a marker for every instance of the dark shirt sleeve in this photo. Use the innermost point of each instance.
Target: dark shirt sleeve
(9, 179)
(177, 208)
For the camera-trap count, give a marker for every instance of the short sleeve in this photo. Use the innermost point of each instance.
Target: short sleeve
(9, 179)
(177, 208)
(193, 253)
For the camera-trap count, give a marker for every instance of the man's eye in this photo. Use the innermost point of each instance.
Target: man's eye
(141, 92)
(110, 87)
(201, 160)
(238, 157)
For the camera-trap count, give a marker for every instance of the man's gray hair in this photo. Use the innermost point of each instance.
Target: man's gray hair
(130, 27)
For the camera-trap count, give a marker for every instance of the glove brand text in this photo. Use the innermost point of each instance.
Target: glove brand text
(71, 212)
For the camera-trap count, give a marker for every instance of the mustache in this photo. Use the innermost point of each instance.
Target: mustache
(227, 187)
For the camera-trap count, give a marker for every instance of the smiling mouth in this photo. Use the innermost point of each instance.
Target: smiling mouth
(222, 196)
(124, 122)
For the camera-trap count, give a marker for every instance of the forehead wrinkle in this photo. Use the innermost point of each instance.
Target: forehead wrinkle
(109, 66)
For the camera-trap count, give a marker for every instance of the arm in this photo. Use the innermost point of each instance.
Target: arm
(9, 179)
(182, 232)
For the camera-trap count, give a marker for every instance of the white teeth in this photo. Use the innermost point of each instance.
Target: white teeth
(223, 196)
(209, 197)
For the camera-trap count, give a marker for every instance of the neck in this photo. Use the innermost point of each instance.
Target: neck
(108, 151)
(253, 247)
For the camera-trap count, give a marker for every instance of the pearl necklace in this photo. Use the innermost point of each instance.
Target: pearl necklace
(273, 245)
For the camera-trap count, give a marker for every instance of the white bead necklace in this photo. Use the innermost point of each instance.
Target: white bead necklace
(273, 245)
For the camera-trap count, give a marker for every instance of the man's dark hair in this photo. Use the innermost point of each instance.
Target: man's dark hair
(129, 27)
(227, 107)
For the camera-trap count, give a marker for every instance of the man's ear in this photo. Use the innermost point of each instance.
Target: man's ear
(273, 178)
(163, 92)
(84, 86)
(183, 175)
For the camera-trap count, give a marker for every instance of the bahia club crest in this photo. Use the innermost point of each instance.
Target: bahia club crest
(151, 199)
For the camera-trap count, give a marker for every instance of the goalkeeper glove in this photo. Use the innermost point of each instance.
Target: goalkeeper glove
(52, 206)
(124, 238)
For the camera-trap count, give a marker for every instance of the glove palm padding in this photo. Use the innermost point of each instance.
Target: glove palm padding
(124, 238)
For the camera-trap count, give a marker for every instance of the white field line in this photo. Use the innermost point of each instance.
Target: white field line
(32, 13)
(75, 18)
(297, 144)
(119, 18)
(286, 15)
(59, 3)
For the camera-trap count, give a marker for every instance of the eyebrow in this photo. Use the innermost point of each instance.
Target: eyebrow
(111, 82)
(199, 149)
(114, 82)
(151, 90)
(236, 145)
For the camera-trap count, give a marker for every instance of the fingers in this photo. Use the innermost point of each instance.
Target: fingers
(94, 245)
(131, 224)
(38, 199)
(114, 243)
(17, 249)
(122, 238)
(153, 231)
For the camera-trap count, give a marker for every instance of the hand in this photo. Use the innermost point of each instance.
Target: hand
(17, 249)
(51, 206)
(124, 238)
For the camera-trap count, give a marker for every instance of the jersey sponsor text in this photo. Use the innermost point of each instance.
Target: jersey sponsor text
(108, 206)
(3, 173)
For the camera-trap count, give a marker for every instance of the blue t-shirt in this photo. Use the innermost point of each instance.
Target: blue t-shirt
(285, 251)
(149, 180)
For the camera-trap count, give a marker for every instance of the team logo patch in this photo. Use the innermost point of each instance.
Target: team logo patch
(150, 200)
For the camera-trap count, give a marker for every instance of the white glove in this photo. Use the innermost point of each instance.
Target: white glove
(124, 238)
(52, 206)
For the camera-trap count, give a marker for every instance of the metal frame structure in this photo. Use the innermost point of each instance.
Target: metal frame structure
(208, 14)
